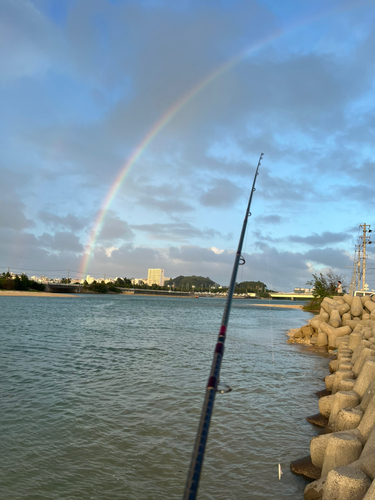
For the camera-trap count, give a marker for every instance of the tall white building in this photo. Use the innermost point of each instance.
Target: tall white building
(155, 276)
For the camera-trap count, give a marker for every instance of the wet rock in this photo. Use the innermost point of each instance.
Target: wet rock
(305, 467)
(318, 419)
(323, 393)
(314, 491)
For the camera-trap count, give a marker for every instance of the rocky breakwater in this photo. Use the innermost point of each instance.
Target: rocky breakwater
(342, 458)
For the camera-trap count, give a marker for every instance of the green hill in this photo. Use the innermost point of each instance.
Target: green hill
(188, 282)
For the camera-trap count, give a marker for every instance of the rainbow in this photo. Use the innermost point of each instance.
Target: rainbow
(157, 127)
(167, 117)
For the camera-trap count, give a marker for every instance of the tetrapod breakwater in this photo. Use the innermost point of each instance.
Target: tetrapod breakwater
(342, 456)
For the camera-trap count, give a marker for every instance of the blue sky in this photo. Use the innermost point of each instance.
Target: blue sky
(83, 82)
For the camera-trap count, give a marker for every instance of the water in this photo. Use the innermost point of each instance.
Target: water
(101, 395)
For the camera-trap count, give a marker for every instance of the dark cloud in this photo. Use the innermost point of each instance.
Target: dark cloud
(61, 241)
(12, 215)
(269, 219)
(323, 239)
(224, 193)
(167, 206)
(69, 221)
(179, 231)
(114, 229)
(330, 257)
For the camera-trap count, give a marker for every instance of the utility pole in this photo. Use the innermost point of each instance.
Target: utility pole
(358, 267)
(354, 283)
(364, 238)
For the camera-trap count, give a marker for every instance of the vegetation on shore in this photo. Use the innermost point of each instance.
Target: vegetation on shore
(323, 286)
(7, 282)
(197, 284)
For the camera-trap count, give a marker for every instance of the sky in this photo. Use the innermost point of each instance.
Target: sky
(130, 132)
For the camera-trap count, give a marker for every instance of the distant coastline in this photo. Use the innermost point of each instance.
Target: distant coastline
(19, 293)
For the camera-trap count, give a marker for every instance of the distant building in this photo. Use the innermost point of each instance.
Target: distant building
(303, 290)
(155, 277)
(139, 281)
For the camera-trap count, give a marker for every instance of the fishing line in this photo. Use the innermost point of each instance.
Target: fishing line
(269, 313)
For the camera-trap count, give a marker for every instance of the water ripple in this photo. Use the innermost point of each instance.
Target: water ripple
(101, 397)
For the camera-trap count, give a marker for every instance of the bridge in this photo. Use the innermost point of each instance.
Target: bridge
(63, 288)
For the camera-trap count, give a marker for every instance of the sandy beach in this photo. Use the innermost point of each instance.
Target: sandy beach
(17, 293)
(285, 306)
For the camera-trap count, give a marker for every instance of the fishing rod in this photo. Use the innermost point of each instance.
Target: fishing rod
(192, 483)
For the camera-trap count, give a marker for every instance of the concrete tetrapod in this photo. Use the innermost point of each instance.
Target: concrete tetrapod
(366, 376)
(346, 385)
(335, 318)
(346, 483)
(370, 495)
(342, 448)
(365, 354)
(318, 445)
(342, 399)
(341, 375)
(356, 308)
(354, 340)
(348, 418)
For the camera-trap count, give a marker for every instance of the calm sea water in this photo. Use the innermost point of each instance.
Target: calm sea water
(101, 397)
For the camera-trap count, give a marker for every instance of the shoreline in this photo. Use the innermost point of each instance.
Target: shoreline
(285, 306)
(21, 293)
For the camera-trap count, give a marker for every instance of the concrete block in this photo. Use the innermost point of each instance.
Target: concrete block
(366, 376)
(335, 318)
(355, 339)
(356, 308)
(318, 445)
(341, 375)
(346, 483)
(314, 490)
(367, 423)
(348, 418)
(346, 385)
(328, 380)
(341, 400)
(370, 495)
(342, 448)
(325, 405)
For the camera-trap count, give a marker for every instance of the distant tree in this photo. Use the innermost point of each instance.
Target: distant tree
(123, 282)
(188, 282)
(66, 281)
(257, 287)
(323, 286)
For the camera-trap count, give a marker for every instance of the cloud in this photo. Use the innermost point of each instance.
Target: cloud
(224, 193)
(269, 219)
(61, 241)
(69, 221)
(329, 257)
(28, 40)
(114, 229)
(317, 240)
(12, 216)
(85, 90)
(168, 206)
(179, 231)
